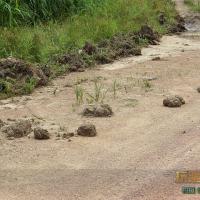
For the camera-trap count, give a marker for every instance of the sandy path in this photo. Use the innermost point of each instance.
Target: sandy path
(137, 151)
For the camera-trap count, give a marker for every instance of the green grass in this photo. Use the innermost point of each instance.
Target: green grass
(193, 4)
(29, 12)
(49, 37)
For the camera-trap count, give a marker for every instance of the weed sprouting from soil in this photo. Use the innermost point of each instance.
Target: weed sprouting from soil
(98, 94)
(147, 85)
(79, 92)
(114, 89)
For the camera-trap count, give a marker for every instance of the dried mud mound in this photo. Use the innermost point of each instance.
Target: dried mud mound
(87, 130)
(41, 134)
(19, 129)
(179, 26)
(19, 77)
(174, 101)
(119, 46)
(102, 110)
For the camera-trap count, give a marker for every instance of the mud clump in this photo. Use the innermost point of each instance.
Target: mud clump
(89, 48)
(19, 70)
(41, 134)
(179, 26)
(18, 129)
(106, 51)
(147, 32)
(67, 135)
(46, 70)
(87, 130)
(101, 110)
(156, 58)
(162, 19)
(19, 77)
(174, 101)
(77, 62)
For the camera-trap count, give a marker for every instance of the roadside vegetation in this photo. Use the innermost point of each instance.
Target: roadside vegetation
(52, 32)
(193, 4)
(36, 30)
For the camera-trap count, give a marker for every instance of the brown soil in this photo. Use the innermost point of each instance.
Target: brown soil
(136, 152)
(119, 46)
(15, 74)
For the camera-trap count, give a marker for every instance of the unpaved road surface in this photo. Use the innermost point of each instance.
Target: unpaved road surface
(137, 151)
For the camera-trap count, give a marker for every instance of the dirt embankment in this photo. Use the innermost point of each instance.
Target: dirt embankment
(18, 77)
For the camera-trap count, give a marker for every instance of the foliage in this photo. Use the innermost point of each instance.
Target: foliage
(18, 12)
(29, 86)
(58, 28)
(194, 4)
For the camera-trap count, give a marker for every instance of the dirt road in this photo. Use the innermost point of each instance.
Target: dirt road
(137, 151)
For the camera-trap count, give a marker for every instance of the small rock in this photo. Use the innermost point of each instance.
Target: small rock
(18, 129)
(29, 136)
(67, 135)
(181, 99)
(183, 132)
(10, 138)
(156, 58)
(89, 48)
(198, 89)
(41, 134)
(68, 85)
(58, 135)
(102, 110)
(80, 70)
(87, 130)
(173, 101)
(11, 120)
